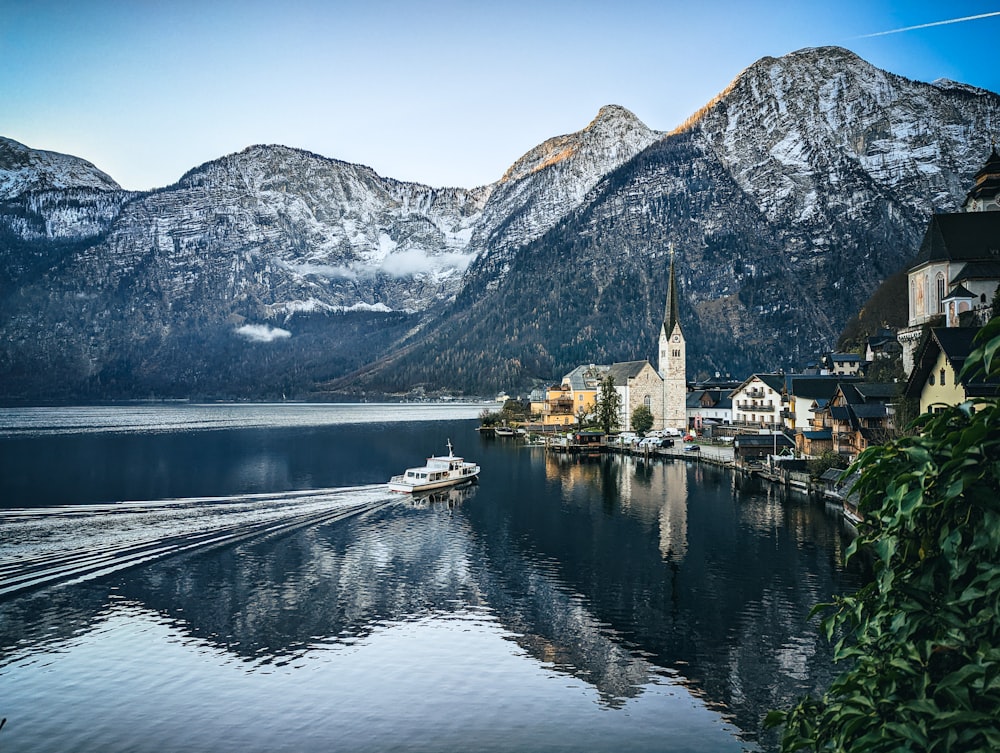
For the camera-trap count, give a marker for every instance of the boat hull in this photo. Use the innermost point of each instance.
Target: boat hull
(405, 487)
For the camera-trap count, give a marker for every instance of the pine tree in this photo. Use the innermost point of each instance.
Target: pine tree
(609, 404)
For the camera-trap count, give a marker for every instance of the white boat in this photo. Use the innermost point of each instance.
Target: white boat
(440, 471)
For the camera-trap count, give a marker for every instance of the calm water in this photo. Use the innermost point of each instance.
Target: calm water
(600, 605)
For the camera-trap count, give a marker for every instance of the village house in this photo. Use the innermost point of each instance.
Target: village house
(860, 414)
(882, 344)
(806, 400)
(844, 364)
(709, 408)
(757, 402)
(934, 380)
(558, 408)
(753, 449)
(584, 383)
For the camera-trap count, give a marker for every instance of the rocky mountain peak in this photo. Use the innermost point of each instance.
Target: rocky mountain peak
(24, 169)
(614, 131)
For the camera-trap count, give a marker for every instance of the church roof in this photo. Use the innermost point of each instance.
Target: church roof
(960, 291)
(978, 270)
(961, 237)
(625, 370)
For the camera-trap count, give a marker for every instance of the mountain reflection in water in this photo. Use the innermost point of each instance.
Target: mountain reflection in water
(674, 598)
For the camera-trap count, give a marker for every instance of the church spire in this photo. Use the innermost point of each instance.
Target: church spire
(670, 316)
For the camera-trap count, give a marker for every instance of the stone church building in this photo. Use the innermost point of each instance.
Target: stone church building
(957, 270)
(662, 390)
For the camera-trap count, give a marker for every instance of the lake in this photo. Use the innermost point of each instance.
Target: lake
(236, 578)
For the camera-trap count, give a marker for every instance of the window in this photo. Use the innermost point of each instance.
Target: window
(941, 377)
(648, 402)
(930, 380)
(677, 353)
(940, 292)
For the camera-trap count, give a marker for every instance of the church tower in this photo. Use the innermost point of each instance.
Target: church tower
(673, 360)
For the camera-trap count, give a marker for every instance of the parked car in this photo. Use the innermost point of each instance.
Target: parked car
(692, 448)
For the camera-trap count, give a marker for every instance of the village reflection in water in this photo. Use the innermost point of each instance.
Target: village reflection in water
(621, 572)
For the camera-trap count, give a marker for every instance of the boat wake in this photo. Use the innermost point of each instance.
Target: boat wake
(67, 544)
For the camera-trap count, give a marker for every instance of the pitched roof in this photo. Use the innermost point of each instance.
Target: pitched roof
(818, 434)
(978, 270)
(877, 391)
(959, 292)
(586, 377)
(870, 410)
(960, 236)
(813, 387)
(762, 440)
(956, 343)
(694, 399)
(625, 370)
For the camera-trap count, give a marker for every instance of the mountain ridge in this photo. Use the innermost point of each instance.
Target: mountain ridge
(275, 270)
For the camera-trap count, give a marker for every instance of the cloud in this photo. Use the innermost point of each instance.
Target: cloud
(405, 263)
(395, 264)
(927, 26)
(262, 333)
(322, 270)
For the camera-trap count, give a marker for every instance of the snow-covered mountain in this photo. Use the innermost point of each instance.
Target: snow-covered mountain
(23, 169)
(788, 198)
(274, 271)
(550, 181)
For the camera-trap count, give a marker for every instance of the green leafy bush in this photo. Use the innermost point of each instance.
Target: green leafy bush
(922, 639)
(642, 419)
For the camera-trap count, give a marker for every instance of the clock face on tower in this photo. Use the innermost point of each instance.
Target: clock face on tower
(677, 338)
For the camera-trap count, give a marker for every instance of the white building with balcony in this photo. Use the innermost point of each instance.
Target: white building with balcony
(758, 402)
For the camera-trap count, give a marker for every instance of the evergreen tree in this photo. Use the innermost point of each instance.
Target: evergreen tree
(609, 404)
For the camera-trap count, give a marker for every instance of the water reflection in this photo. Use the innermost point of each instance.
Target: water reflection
(622, 574)
(691, 572)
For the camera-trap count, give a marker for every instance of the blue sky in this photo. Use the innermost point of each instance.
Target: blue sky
(441, 92)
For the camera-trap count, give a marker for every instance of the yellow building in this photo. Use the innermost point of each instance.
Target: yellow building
(576, 395)
(934, 379)
(558, 407)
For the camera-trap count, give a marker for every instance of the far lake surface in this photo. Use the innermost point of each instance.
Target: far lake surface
(279, 599)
